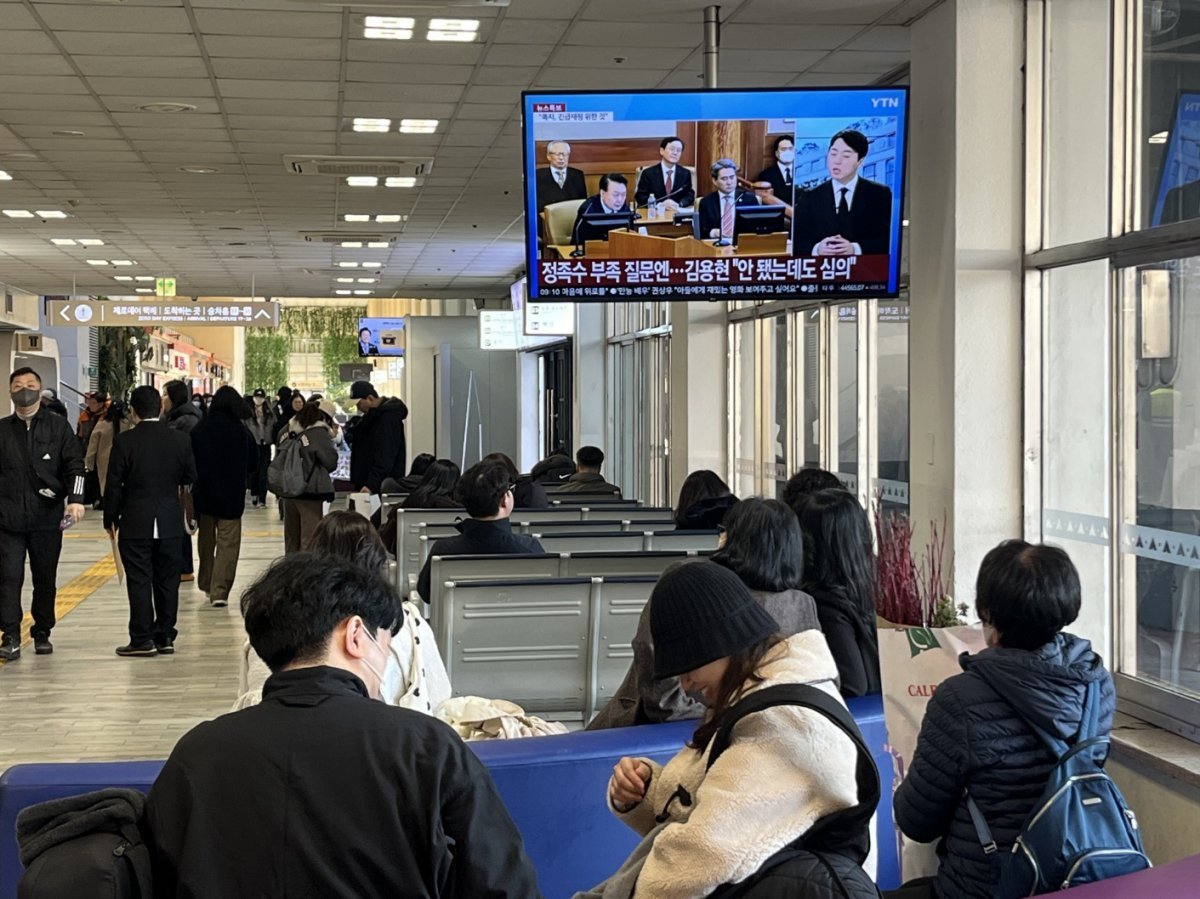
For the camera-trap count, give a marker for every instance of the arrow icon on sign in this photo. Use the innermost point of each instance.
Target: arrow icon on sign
(262, 312)
(63, 313)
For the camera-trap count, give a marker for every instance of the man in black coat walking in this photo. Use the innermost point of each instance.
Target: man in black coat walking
(148, 467)
(41, 464)
(319, 790)
(378, 450)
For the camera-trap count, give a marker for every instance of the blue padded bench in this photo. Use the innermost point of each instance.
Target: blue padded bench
(554, 788)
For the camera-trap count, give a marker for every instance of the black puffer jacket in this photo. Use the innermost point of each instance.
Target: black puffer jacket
(975, 736)
(183, 418)
(379, 450)
(42, 456)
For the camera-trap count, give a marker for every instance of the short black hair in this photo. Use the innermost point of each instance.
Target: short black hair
(763, 545)
(589, 457)
(809, 480)
(229, 402)
(482, 487)
(178, 392)
(420, 464)
(312, 414)
(292, 608)
(662, 144)
(613, 178)
(23, 371)
(360, 330)
(504, 459)
(775, 144)
(146, 402)
(1028, 592)
(855, 140)
(350, 537)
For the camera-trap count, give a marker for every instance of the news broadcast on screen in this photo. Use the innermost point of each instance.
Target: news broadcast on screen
(680, 195)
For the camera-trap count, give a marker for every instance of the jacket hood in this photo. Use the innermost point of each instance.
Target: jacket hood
(802, 658)
(390, 406)
(706, 514)
(1045, 686)
(188, 408)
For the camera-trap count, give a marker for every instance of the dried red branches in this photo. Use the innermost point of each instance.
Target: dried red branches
(909, 593)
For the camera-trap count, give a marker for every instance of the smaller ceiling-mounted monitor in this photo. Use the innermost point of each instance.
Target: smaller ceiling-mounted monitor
(380, 337)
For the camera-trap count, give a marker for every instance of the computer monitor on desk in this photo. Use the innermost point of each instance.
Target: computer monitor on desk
(599, 222)
(756, 219)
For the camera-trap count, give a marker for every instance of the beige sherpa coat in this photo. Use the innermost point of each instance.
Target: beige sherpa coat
(785, 768)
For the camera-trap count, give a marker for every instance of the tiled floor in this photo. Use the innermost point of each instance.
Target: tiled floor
(86, 703)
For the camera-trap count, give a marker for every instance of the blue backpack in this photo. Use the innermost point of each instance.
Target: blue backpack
(1081, 830)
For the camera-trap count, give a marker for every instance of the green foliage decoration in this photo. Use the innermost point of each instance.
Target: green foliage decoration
(334, 326)
(120, 352)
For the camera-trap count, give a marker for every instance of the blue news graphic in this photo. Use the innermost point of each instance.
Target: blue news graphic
(381, 337)
(1178, 197)
(840, 235)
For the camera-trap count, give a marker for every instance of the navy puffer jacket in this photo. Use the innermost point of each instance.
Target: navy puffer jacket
(976, 735)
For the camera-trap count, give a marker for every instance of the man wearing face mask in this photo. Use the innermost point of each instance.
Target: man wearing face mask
(781, 175)
(263, 426)
(41, 464)
(378, 450)
(338, 795)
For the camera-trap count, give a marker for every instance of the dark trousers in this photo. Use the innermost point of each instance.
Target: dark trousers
(300, 519)
(185, 548)
(152, 569)
(258, 484)
(43, 548)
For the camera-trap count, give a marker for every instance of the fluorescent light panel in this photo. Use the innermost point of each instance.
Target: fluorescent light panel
(363, 181)
(372, 126)
(5, 176)
(376, 245)
(144, 278)
(97, 262)
(123, 262)
(388, 28)
(355, 217)
(402, 181)
(144, 289)
(418, 126)
(352, 244)
(345, 280)
(363, 280)
(51, 214)
(452, 30)
(363, 293)
(342, 293)
(18, 213)
(91, 242)
(122, 278)
(62, 241)
(390, 218)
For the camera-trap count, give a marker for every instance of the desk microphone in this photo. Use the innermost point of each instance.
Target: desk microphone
(677, 190)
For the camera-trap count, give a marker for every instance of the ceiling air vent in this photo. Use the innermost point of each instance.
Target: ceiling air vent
(344, 166)
(363, 237)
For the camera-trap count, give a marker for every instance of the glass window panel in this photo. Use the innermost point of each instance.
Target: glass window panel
(845, 392)
(1076, 159)
(1076, 434)
(1161, 528)
(743, 390)
(810, 387)
(776, 406)
(1167, 143)
(892, 402)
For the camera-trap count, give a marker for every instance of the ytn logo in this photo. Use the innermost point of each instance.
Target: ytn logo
(886, 102)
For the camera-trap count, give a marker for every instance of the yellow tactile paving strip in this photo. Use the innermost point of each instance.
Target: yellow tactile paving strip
(74, 591)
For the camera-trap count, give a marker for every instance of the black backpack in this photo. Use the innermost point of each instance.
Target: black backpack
(85, 847)
(826, 861)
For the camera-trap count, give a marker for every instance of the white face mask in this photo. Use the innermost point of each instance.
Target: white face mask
(259, 400)
(786, 156)
(375, 671)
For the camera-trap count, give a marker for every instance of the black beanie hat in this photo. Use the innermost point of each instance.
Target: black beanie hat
(701, 612)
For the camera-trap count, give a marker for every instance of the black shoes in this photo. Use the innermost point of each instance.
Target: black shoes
(42, 646)
(10, 649)
(166, 648)
(141, 650)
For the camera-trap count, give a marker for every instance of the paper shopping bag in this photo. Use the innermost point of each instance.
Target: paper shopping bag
(912, 662)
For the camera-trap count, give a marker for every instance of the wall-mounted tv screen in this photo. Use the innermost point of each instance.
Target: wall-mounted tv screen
(381, 337)
(681, 195)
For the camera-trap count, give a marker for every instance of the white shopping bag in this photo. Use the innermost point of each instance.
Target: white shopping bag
(365, 504)
(913, 661)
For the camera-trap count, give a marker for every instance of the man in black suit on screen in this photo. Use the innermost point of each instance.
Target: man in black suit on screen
(781, 174)
(148, 467)
(669, 181)
(718, 210)
(558, 181)
(613, 188)
(846, 215)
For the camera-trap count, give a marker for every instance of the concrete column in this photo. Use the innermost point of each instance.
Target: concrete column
(589, 371)
(699, 390)
(966, 188)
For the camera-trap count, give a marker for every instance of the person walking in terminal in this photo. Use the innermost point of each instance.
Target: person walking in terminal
(486, 492)
(761, 544)
(980, 733)
(181, 414)
(785, 767)
(149, 466)
(225, 455)
(302, 513)
(99, 449)
(319, 790)
(846, 215)
(41, 464)
(262, 427)
(839, 573)
(378, 450)
(587, 477)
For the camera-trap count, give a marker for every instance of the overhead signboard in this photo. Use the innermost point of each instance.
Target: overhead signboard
(164, 287)
(118, 311)
(549, 319)
(498, 330)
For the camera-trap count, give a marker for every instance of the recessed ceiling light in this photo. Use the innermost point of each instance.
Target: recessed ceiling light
(166, 107)
(122, 278)
(62, 241)
(144, 278)
(402, 181)
(144, 289)
(363, 181)
(376, 245)
(418, 126)
(363, 293)
(51, 214)
(366, 280)
(5, 176)
(18, 154)
(347, 265)
(453, 29)
(342, 293)
(18, 213)
(390, 218)
(123, 262)
(388, 28)
(355, 217)
(372, 265)
(352, 244)
(97, 262)
(371, 126)
(91, 242)
(66, 132)
(345, 280)
(198, 169)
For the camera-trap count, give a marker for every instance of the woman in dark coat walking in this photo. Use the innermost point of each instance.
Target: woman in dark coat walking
(978, 734)
(225, 455)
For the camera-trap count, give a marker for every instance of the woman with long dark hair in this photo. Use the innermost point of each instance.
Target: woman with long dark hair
(723, 820)
(436, 488)
(840, 575)
(703, 501)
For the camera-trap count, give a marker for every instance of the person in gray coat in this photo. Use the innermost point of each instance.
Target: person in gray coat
(302, 514)
(761, 543)
(180, 414)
